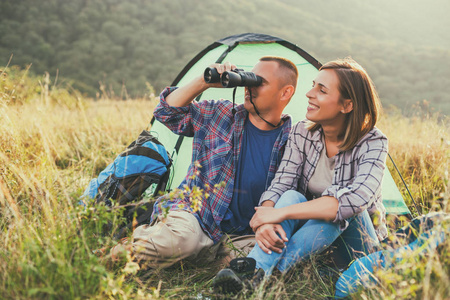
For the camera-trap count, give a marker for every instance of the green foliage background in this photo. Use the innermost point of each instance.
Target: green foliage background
(404, 44)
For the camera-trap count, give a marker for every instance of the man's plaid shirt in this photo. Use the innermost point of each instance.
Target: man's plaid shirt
(357, 177)
(217, 140)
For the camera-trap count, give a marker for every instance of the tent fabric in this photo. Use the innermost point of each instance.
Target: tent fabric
(249, 38)
(244, 50)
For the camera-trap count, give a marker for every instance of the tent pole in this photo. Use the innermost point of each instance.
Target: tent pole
(406, 186)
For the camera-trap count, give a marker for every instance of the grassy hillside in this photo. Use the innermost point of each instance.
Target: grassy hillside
(53, 141)
(124, 46)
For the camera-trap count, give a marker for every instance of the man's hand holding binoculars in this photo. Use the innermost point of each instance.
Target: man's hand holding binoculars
(213, 73)
(216, 75)
(229, 76)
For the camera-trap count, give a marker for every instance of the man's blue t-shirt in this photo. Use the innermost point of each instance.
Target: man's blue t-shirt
(251, 177)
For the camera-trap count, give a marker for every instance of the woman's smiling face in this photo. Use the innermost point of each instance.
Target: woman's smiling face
(325, 105)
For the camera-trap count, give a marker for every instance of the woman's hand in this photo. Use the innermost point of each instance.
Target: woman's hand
(271, 237)
(266, 215)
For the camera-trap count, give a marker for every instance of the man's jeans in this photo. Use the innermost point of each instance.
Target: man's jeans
(307, 237)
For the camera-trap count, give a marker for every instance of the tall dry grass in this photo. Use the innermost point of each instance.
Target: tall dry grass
(420, 147)
(53, 141)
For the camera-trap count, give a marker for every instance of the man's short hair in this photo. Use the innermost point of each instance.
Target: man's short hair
(289, 70)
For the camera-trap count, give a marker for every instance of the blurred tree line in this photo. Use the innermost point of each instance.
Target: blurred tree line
(124, 47)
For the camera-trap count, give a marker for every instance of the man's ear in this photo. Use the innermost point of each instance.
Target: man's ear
(348, 106)
(287, 92)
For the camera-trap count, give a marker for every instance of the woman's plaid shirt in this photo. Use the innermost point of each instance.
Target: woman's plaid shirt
(357, 176)
(217, 140)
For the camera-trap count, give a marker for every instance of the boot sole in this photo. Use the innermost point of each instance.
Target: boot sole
(227, 282)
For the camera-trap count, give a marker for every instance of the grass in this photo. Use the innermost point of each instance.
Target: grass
(53, 141)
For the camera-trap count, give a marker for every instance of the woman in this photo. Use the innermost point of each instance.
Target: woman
(336, 160)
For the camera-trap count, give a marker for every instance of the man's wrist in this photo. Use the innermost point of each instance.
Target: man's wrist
(201, 84)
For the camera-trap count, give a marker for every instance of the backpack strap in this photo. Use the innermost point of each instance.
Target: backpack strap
(144, 151)
(131, 193)
(125, 193)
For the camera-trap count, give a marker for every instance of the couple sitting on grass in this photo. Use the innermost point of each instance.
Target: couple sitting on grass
(312, 185)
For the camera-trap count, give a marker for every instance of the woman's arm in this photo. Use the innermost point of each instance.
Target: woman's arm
(365, 184)
(270, 237)
(289, 170)
(323, 208)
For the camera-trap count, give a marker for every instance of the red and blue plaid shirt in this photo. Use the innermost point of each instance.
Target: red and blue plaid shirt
(217, 140)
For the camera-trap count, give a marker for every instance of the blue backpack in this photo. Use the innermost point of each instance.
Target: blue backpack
(145, 164)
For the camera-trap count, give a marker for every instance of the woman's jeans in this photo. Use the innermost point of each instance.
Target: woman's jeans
(307, 237)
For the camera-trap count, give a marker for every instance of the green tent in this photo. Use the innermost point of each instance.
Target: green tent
(244, 50)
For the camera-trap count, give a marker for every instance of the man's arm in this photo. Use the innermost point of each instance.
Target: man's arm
(184, 95)
(177, 110)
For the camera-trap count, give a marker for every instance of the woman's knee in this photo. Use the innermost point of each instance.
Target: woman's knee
(290, 198)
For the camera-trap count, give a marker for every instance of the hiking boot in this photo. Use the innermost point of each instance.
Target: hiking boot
(239, 275)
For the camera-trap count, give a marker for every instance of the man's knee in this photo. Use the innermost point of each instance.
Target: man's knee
(290, 198)
(178, 237)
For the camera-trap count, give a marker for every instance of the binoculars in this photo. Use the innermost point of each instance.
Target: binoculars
(234, 78)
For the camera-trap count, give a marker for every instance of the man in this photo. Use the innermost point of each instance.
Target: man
(241, 149)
